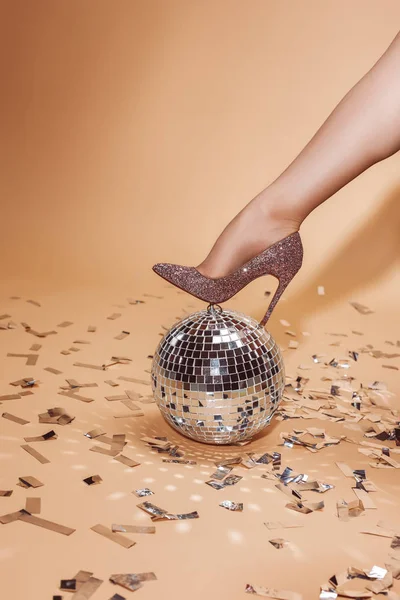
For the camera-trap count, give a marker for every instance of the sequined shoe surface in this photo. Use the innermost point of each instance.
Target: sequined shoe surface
(282, 260)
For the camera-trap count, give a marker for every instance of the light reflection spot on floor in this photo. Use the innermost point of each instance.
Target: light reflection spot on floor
(141, 516)
(236, 537)
(183, 527)
(196, 498)
(170, 488)
(116, 496)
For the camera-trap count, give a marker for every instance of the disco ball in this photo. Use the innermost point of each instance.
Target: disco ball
(217, 376)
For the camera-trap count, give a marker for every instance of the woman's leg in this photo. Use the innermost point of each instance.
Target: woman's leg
(362, 130)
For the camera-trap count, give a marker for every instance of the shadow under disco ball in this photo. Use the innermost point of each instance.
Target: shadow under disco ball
(218, 376)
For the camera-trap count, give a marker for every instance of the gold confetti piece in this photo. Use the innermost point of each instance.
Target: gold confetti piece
(114, 537)
(80, 578)
(29, 481)
(345, 469)
(14, 418)
(164, 444)
(293, 344)
(272, 593)
(133, 528)
(122, 335)
(34, 302)
(321, 290)
(10, 518)
(278, 543)
(76, 396)
(74, 384)
(31, 359)
(291, 333)
(51, 370)
(35, 347)
(132, 581)
(114, 316)
(179, 461)
(56, 415)
(365, 498)
(129, 415)
(5, 493)
(134, 380)
(149, 400)
(393, 367)
(116, 398)
(364, 310)
(40, 334)
(94, 433)
(10, 397)
(131, 405)
(87, 589)
(111, 383)
(132, 395)
(346, 593)
(33, 505)
(281, 525)
(284, 323)
(28, 518)
(378, 532)
(106, 451)
(129, 462)
(42, 459)
(65, 324)
(50, 435)
(91, 329)
(87, 366)
(93, 480)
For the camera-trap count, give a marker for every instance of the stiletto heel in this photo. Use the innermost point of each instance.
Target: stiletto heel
(282, 260)
(278, 293)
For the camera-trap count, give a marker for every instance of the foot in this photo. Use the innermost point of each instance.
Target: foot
(256, 227)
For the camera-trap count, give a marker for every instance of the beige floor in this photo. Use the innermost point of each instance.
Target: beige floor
(216, 555)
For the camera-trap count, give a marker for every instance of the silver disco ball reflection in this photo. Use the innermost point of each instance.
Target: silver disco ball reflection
(218, 376)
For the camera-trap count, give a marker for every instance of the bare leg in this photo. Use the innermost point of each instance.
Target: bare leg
(362, 130)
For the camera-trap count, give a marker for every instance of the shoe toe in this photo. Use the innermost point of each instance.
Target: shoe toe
(161, 268)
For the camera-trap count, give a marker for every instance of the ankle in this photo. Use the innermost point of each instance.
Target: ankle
(279, 209)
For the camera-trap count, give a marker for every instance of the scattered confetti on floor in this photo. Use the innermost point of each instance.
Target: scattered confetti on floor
(311, 505)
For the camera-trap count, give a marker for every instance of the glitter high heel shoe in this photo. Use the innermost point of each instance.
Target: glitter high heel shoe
(282, 260)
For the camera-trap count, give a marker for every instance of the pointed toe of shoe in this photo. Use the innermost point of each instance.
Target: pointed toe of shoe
(160, 268)
(168, 271)
(175, 274)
